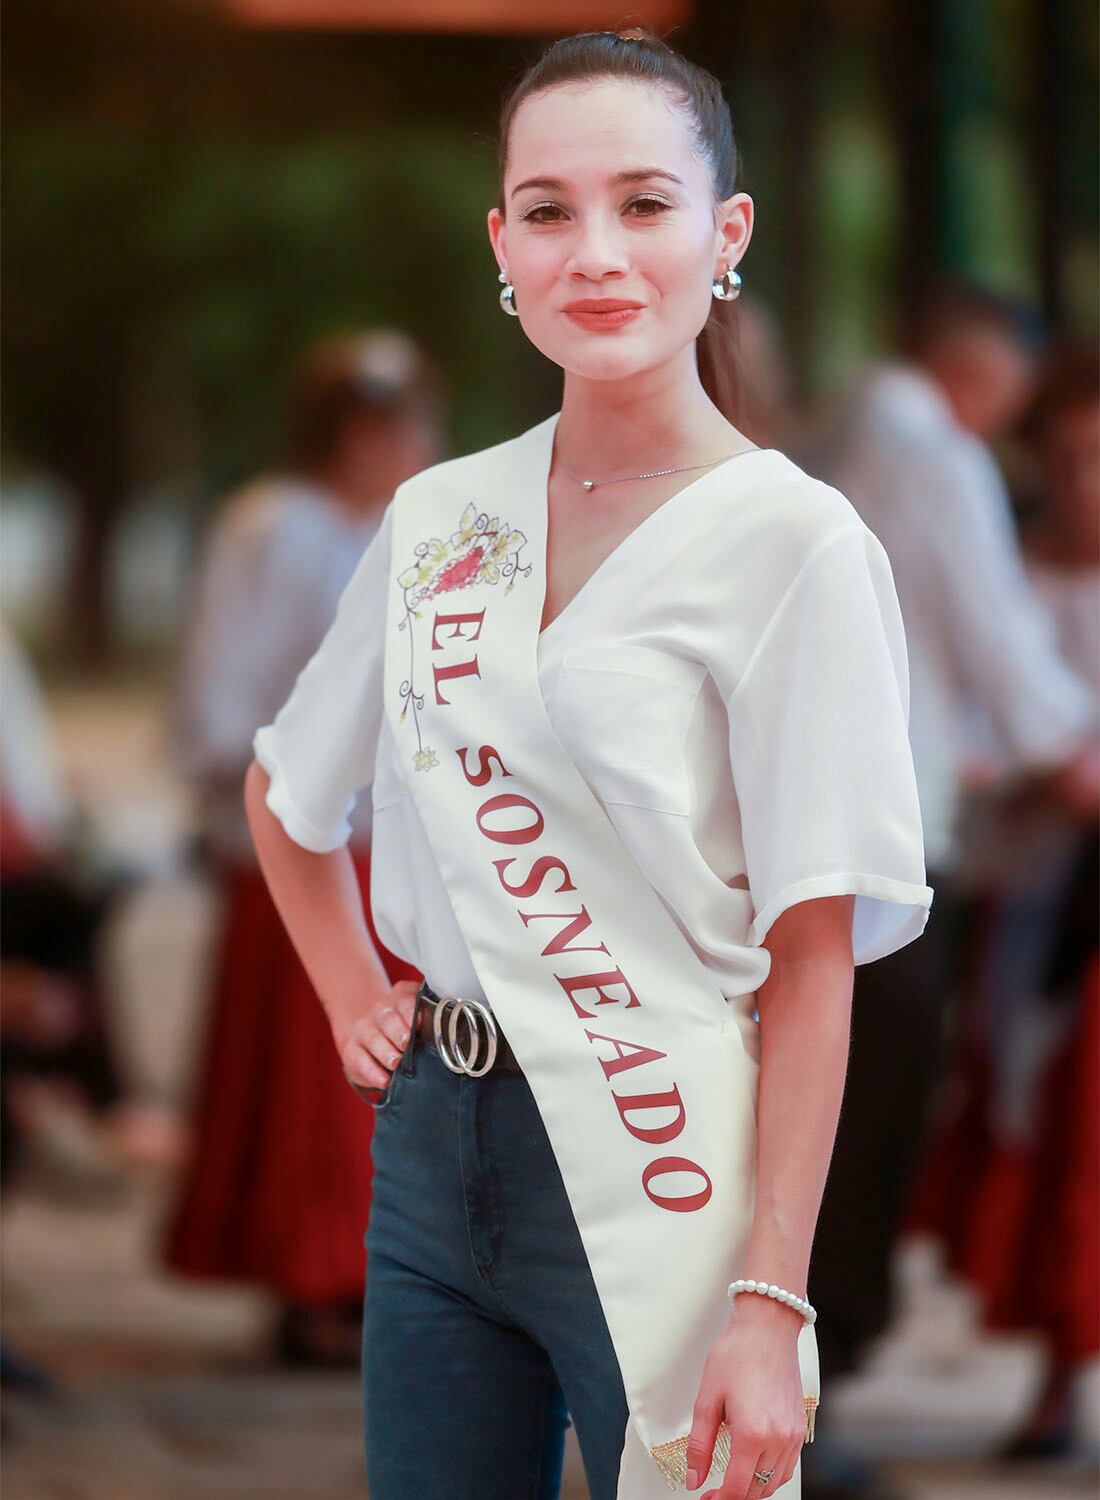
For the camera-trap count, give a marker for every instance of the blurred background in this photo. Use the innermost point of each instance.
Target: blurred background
(248, 289)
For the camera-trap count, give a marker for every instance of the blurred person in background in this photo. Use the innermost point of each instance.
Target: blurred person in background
(278, 1191)
(61, 1085)
(59, 1048)
(39, 816)
(1062, 541)
(1012, 1185)
(908, 443)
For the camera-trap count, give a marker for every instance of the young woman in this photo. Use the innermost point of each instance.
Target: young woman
(277, 1190)
(631, 696)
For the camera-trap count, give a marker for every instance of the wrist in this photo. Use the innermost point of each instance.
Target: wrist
(750, 1293)
(746, 1312)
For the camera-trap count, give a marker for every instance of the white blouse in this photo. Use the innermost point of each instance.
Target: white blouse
(739, 789)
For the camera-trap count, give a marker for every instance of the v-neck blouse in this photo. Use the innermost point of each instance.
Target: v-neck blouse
(732, 683)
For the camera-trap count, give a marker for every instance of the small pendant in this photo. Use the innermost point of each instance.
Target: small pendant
(588, 484)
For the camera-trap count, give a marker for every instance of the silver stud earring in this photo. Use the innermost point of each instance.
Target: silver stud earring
(727, 287)
(508, 295)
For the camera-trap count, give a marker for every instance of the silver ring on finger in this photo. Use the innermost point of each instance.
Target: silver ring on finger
(762, 1475)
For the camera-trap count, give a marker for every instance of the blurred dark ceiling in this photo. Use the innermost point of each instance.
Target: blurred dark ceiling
(932, 70)
(481, 16)
(154, 64)
(151, 64)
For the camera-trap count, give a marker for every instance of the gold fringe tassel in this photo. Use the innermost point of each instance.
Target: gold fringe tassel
(811, 1412)
(671, 1457)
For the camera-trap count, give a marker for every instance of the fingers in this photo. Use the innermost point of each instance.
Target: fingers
(748, 1455)
(706, 1418)
(785, 1470)
(394, 1025)
(389, 1034)
(380, 1037)
(782, 1468)
(743, 1484)
(361, 1068)
(754, 1488)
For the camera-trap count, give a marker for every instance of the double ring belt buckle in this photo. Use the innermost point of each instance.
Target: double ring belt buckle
(479, 1023)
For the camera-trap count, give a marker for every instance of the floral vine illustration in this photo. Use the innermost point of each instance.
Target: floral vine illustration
(482, 550)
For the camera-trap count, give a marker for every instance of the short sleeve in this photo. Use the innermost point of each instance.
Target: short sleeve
(319, 750)
(820, 753)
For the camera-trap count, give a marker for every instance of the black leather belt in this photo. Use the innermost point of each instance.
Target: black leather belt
(464, 1032)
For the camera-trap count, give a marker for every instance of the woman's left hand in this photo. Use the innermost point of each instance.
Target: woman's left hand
(752, 1381)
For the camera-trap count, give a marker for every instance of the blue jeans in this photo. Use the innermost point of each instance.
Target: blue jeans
(482, 1332)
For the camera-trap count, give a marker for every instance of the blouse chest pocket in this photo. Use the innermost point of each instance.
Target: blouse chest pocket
(623, 711)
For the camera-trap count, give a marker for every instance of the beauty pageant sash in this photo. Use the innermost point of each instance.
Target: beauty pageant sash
(636, 1059)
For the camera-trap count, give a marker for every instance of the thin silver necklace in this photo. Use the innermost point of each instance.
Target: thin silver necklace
(591, 484)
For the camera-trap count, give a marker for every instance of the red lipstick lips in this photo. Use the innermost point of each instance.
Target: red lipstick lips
(600, 304)
(603, 312)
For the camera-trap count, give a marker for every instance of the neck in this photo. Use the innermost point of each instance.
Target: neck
(655, 419)
(944, 378)
(344, 494)
(1064, 546)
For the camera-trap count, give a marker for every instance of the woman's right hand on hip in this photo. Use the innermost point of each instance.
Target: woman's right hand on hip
(371, 1046)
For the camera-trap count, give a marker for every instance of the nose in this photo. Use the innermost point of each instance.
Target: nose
(597, 249)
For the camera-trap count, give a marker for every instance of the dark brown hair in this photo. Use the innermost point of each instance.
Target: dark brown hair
(640, 55)
(379, 373)
(947, 303)
(1069, 378)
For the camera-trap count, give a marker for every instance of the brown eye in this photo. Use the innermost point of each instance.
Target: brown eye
(650, 207)
(540, 208)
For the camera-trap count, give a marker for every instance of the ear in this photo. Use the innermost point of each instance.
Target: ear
(497, 236)
(733, 230)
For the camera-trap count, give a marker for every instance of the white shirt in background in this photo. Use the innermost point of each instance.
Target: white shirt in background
(30, 766)
(1072, 596)
(983, 648)
(275, 564)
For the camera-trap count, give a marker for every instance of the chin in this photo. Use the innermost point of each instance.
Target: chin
(593, 355)
(604, 364)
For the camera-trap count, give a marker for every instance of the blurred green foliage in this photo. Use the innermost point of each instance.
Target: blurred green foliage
(188, 202)
(198, 267)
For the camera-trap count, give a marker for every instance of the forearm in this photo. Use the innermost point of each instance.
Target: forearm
(318, 898)
(805, 1020)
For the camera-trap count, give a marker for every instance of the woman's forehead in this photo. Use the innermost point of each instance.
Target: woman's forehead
(591, 131)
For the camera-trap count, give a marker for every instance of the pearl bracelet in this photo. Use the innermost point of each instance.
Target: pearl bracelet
(799, 1304)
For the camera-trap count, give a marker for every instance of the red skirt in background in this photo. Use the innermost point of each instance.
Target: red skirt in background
(1021, 1221)
(278, 1188)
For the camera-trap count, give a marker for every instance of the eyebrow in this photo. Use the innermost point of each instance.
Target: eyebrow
(636, 174)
